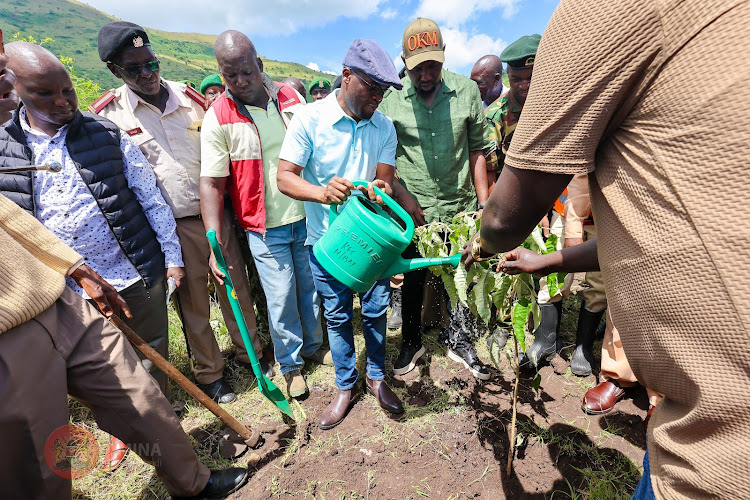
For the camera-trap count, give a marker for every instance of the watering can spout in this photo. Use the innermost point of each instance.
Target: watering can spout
(404, 266)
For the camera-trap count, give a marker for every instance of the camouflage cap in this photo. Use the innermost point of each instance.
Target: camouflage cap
(522, 52)
(422, 42)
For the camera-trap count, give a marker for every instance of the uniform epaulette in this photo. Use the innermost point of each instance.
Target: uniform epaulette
(102, 102)
(196, 96)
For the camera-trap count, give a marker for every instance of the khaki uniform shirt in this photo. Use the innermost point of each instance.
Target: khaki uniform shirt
(669, 194)
(169, 140)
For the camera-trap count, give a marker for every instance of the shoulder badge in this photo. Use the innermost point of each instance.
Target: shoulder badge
(196, 96)
(287, 95)
(102, 102)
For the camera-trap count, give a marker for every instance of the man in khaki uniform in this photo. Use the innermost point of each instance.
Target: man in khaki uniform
(668, 191)
(164, 119)
(615, 374)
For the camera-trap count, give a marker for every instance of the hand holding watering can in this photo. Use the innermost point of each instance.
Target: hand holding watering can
(339, 189)
(364, 244)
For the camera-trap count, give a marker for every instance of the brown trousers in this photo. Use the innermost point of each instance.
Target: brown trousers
(193, 297)
(71, 349)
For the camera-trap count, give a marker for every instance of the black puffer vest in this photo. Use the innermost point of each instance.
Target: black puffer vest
(94, 145)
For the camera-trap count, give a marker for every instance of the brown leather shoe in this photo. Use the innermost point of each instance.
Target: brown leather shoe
(115, 455)
(602, 398)
(335, 412)
(387, 399)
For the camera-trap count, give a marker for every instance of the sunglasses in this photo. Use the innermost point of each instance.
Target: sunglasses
(151, 66)
(373, 89)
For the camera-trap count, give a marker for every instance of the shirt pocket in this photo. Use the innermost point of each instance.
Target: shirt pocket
(148, 145)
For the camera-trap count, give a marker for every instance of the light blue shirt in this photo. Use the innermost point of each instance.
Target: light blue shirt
(65, 205)
(326, 143)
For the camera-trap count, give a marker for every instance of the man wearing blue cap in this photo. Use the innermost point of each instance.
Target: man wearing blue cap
(328, 144)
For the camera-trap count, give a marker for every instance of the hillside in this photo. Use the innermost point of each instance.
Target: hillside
(74, 26)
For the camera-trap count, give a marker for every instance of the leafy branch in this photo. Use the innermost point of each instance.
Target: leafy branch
(481, 287)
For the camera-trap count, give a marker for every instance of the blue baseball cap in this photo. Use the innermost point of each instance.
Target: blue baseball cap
(368, 57)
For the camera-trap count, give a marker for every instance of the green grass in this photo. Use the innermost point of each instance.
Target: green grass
(74, 26)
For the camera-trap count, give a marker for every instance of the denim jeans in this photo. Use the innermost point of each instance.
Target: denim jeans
(337, 301)
(293, 305)
(644, 490)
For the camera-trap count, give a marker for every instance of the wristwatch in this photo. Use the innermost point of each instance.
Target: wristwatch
(480, 206)
(476, 251)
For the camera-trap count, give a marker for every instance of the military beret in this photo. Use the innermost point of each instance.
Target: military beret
(211, 80)
(118, 36)
(522, 52)
(319, 83)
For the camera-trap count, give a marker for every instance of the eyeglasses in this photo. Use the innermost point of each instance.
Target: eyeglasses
(373, 89)
(151, 66)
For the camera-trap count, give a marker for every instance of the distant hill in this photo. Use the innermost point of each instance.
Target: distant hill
(74, 26)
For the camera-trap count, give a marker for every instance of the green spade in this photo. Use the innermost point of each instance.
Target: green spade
(267, 388)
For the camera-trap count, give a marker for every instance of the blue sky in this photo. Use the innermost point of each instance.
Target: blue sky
(318, 32)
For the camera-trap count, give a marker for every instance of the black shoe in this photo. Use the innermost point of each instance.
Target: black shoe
(583, 356)
(407, 358)
(498, 338)
(266, 367)
(465, 353)
(545, 336)
(220, 391)
(223, 482)
(394, 320)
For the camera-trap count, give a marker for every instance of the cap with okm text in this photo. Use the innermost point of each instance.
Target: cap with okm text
(422, 42)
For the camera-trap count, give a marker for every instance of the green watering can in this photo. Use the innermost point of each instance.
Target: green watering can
(364, 244)
(267, 388)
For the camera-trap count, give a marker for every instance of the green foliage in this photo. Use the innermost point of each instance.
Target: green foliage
(480, 287)
(87, 90)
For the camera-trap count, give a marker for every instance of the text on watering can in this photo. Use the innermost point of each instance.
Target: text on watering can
(345, 251)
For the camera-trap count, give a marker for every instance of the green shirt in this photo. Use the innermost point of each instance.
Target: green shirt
(432, 158)
(280, 209)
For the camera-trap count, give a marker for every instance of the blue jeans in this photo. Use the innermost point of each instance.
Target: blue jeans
(644, 490)
(293, 305)
(337, 300)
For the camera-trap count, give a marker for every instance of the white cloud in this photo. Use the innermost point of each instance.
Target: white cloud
(463, 49)
(254, 18)
(331, 73)
(389, 13)
(313, 66)
(453, 13)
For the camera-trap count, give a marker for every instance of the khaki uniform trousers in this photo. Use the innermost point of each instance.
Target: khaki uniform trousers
(594, 295)
(194, 301)
(71, 349)
(556, 227)
(615, 365)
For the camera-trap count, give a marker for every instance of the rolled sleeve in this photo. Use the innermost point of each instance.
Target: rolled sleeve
(297, 145)
(573, 101)
(142, 181)
(215, 159)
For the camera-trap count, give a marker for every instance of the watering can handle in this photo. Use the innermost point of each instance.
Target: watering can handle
(389, 202)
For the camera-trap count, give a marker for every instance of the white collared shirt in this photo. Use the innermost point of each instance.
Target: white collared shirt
(169, 140)
(66, 206)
